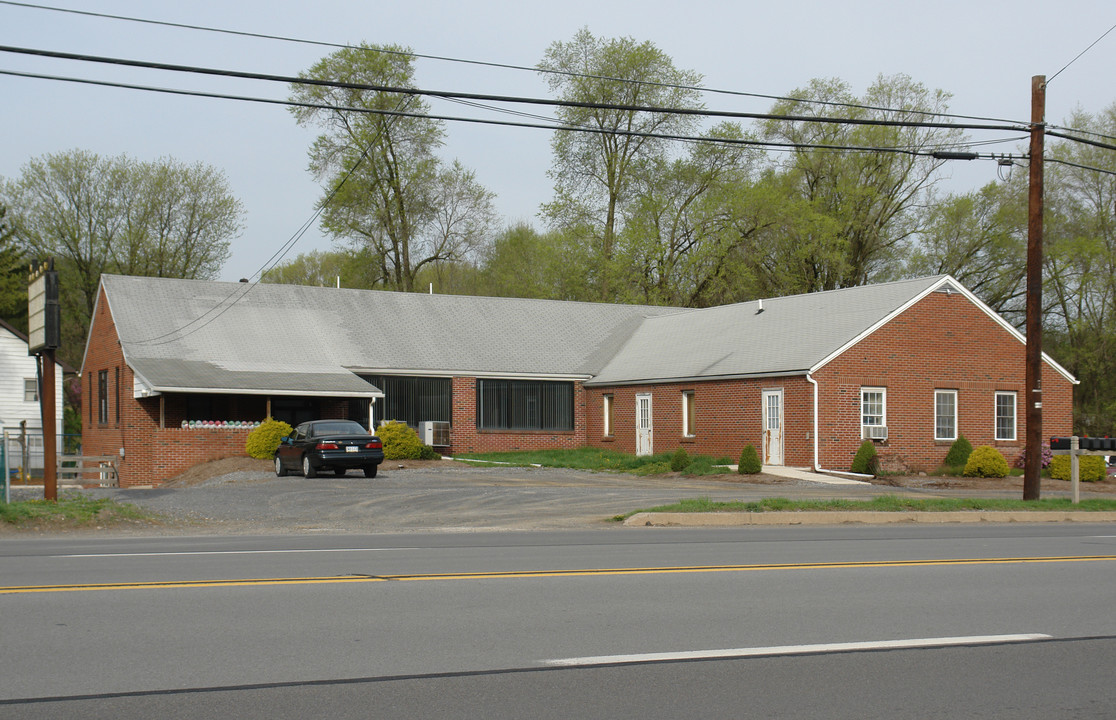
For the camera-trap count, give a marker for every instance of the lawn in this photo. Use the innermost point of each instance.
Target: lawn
(70, 511)
(602, 460)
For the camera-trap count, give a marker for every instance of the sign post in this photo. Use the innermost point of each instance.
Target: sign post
(44, 335)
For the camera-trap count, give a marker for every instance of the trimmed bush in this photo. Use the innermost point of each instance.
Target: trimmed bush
(1090, 468)
(429, 453)
(680, 460)
(400, 441)
(264, 440)
(866, 462)
(958, 453)
(749, 461)
(986, 461)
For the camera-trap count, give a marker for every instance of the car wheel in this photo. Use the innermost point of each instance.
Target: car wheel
(339, 472)
(370, 470)
(280, 471)
(308, 469)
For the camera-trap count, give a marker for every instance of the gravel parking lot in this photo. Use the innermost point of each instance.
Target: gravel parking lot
(444, 496)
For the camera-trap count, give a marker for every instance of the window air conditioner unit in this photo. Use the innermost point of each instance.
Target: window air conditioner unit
(435, 433)
(874, 432)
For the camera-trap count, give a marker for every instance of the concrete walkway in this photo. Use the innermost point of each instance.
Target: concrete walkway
(804, 474)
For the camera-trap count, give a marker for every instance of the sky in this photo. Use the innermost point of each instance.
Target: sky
(984, 52)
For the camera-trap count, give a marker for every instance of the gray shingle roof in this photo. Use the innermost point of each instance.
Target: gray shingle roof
(308, 340)
(791, 334)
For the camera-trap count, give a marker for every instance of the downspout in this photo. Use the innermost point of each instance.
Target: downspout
(817, 463)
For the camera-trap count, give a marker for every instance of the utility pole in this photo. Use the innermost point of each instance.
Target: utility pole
(1032, 479)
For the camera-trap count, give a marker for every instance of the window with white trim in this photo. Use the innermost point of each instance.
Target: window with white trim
(688, 413)
(30, 390)
(608, 415)
(873, 411)
(1005, 416)
(945, 414)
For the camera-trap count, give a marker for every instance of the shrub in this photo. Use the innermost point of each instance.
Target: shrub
(652, 468)
(680, 460)
(429, 453)
(1047, 456)
(400, 441)
(749, 461)
(958, 453)
(986, 461)
(866, 462)
(1090, 468)
(263, 441)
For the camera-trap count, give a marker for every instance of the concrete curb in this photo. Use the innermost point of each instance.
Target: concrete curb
(813, 517)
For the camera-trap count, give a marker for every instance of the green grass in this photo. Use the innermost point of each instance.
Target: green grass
(70, 511)
(883, 503)
(602, 460)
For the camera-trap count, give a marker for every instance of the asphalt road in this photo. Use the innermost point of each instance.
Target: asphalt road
(444, 498)
(507, 624)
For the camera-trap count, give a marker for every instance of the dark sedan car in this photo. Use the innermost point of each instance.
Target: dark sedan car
(336, 445)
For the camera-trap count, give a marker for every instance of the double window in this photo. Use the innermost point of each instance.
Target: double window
(524, 405)
(945, 414)
(1005, 416)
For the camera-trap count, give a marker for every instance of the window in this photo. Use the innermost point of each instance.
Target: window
(945, 414)
(524, 405)
(102, 397)
(608, 426)
(873, 413)
(413, 399)
(688, 413)
(30, 390)
(116, 398)
(1005, 416)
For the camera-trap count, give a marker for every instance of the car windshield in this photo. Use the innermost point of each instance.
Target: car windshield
(344, 427)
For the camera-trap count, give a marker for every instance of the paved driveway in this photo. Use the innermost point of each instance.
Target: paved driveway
(447, 497)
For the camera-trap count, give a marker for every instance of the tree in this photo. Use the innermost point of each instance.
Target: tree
(1080, 269)
(849, 217)
(521, 262)
(13, 277)
(980, 238)
(95, 215)
(595, 173)
(323, 268)
(387, 191)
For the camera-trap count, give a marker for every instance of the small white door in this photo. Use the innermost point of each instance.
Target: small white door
(772, 427)
(643, 425)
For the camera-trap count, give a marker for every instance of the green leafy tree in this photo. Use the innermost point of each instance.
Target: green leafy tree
(387, 191)
(322, 268)
(848, 217)
(595, 173)
(98, 214)
(522, 262)
(1080, 269)
(13, 277)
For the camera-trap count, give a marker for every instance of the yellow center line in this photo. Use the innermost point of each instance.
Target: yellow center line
(521, 574)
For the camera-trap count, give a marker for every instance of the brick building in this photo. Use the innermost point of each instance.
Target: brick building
(176, 371)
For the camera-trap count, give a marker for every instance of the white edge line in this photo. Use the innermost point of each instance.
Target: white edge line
(797, 649)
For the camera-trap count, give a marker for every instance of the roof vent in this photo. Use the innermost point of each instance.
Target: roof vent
(759, 306)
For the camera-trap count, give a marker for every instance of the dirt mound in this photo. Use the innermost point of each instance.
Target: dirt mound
(216, 468)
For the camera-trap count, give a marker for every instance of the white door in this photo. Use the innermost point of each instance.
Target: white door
(772, 427)
(643, 425)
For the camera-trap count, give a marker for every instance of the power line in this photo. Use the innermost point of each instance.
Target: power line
(1071, 62)
(483, 63)
(481, 121)
(447, 94)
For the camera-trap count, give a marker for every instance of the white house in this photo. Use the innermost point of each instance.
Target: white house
(19, 392)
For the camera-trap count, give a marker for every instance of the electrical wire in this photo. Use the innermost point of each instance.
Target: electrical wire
(292, 80)
(1071, 62)
(769, 144)
(483, 63)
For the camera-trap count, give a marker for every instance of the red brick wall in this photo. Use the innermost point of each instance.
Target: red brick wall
(943, 342)
(727, 416)
(465, 437)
